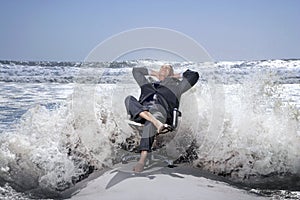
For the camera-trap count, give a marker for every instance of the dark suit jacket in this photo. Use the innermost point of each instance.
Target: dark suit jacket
(168, 92)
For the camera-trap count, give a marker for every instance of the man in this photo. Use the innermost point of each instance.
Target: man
(155, 106)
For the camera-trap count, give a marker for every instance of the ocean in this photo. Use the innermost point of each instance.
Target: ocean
(60, 122)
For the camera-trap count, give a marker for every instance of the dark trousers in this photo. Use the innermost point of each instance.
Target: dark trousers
(134, 108)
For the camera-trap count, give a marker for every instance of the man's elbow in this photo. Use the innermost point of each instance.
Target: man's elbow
(191, 76)
(139, 70)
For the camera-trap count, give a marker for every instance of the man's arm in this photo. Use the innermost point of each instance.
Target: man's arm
(177, 75)
(139, 74)
(190, 78)
(156, 74)
(153, 73)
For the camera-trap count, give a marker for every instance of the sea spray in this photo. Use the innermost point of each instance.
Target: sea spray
(50, 140)
(259, 136)
(46, 151)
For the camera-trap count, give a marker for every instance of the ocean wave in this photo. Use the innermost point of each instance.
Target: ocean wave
(245, 132)
(71, 72)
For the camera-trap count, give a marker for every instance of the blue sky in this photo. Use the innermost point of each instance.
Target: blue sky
(65, 30)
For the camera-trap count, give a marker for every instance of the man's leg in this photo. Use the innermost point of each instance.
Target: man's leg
(147, 138)
(138, 111)
(149, 132)
(139, 167)
(149, 117)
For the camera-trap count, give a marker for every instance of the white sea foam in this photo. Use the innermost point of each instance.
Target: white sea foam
(259, 135)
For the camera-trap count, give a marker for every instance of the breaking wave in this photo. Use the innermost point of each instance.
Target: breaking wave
(49, 149)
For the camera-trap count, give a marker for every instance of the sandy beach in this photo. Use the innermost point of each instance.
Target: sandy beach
(182, 182)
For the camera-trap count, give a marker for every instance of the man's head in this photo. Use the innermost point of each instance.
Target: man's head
(165, 71)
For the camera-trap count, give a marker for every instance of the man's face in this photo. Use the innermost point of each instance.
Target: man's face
(164, 72)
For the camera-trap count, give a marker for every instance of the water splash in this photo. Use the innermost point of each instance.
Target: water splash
(46, 151)
(259, 136)
(51, 149)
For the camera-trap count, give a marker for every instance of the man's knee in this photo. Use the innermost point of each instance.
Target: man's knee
(127, 100)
